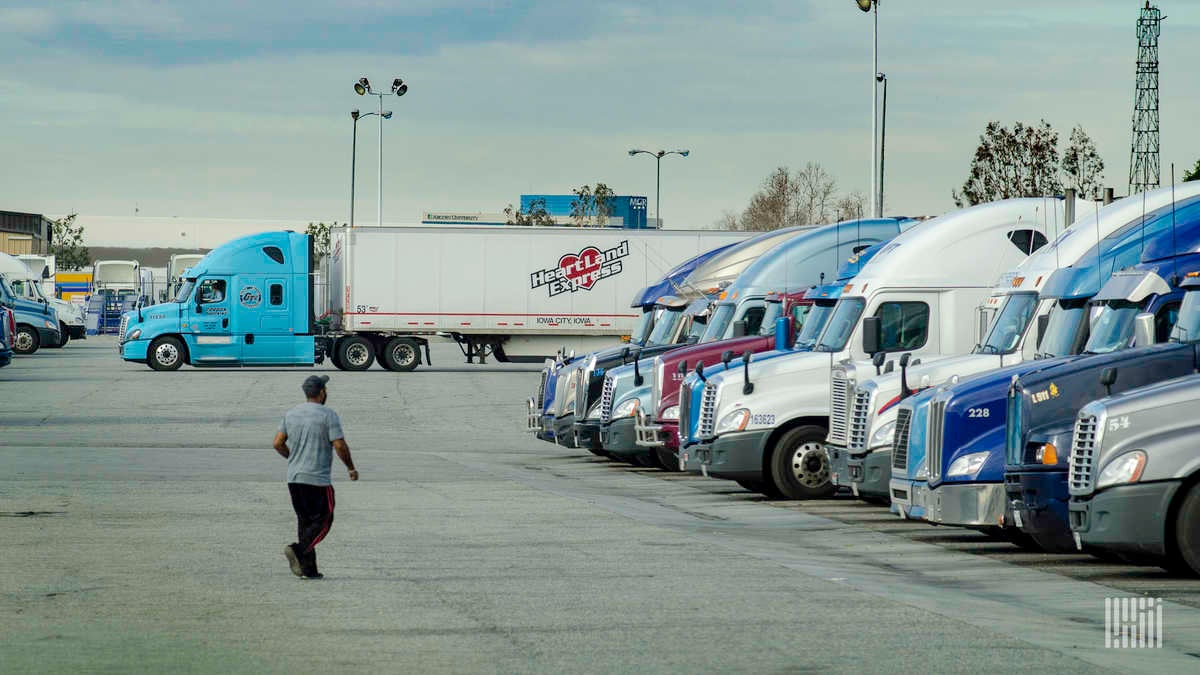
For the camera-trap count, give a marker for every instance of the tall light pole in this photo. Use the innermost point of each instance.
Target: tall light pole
(362, 88)
(356, 116)
(880, 77)
(872, 6)
(658, 175)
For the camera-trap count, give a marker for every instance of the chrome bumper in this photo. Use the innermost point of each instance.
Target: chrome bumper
(647, 434)
(533, 422)
(910, 499)
(976, 504)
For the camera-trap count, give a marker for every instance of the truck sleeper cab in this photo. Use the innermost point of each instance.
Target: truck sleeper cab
(1134, 476)
(767, 425)
(1042, 406)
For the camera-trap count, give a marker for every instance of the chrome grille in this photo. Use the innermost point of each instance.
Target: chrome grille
(121, 330)
(860, 419)
(1083, 454)
(541, 394)
(606, 399)
(900, 443)
(685, 412)
(839, 401)
(708, 411)
(937, 415)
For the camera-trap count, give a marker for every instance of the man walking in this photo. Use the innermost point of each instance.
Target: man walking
(315, 433)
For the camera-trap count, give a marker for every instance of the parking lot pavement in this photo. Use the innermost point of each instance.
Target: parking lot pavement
(144, 516)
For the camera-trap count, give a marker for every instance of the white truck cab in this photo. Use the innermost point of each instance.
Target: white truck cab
(863, 403)
(765, 424)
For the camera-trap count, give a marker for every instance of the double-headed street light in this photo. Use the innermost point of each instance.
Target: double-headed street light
(363, 88)
(658, 174)
(876, 187)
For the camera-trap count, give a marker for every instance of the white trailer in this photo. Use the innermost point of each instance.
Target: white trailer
(519, 293)
(116, 275)
(44, 268)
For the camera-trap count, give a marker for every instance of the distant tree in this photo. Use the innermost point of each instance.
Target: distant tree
(1082, 167)
(1193, 173)
(850, 207)
(774, 205)
(808, 197)
(536, 215)
(817, 192)
(66, 244)
(320, 234)
(727, 221)
(592, 207)
(1017, 162)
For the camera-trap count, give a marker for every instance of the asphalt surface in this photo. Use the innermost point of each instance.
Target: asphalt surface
(143, 517)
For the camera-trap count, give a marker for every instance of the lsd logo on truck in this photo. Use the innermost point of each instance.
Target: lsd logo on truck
(580, 271)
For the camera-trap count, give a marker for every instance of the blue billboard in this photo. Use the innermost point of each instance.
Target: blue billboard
(629, 211)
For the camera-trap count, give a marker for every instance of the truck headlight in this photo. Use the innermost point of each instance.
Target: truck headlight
(594, 413)
(922, 471)
(734, 421)
(627, 408)
(1125, 469)
(884, 435)
(671, 413)
(50, 324)
(967, 465)
(137, 333)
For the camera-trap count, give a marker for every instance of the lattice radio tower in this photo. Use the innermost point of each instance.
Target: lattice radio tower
(1143, 161)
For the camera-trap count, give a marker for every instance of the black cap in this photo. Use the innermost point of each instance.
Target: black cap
(313, 384)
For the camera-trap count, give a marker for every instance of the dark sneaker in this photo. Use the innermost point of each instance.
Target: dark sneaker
(289, 552)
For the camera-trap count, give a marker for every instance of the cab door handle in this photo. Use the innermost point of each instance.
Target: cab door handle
(225, 323)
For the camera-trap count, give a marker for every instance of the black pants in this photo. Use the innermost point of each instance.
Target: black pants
(314, 516)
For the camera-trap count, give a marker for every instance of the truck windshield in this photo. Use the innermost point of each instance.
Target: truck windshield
(1113, 328)
(814, 321)
(1062, 328)
(664, 328)
(1009, 325)
(640, 329)
(773, 311)
(719, 322)
(841, 325)
(1187, 327)
(185, 290)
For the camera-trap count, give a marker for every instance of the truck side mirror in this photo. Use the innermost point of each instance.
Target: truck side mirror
(872, 335)
(1143, 330)
(877, 360)
(747, 385)
(1042, 323)
(682, 367)
(46, 272)
(739, 329)
(783, 331)
(1108, 377)
(726, 357)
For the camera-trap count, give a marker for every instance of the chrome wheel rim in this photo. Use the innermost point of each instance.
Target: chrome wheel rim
(810, 464)
(403, 354)
(23, 341)
(357, 354)
(166, 354)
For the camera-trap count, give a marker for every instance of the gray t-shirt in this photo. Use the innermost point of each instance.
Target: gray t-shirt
(311, 429)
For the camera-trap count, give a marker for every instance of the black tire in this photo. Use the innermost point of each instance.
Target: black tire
(355, 353)
(26, 340)
(754, 486)
(400, 355)
(1187, 532)
(667, 460)
(64, 337)
(333, 356)
(166, 353)
(800, 466)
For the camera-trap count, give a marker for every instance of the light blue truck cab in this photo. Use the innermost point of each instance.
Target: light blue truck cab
(36, 322)
(969, 417)
(541, 405)
(802, 260)
(248, 302)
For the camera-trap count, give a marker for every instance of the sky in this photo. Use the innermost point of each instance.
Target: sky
(233, 110)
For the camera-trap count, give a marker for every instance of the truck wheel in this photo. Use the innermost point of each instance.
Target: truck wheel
(62, 341)
(400, 355)
(26, 340)
(165, 353)
(760, 487)
(355, 353)
(800, 465)
(1187, 530)
(666, 459)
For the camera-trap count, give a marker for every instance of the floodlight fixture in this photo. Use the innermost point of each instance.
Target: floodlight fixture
(387, 114)
(865, 5)
(354, 114)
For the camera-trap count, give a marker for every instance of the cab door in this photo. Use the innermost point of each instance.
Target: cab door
(206, 323)
(262, 319)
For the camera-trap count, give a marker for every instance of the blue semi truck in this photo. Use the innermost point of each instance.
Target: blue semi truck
(36, 321)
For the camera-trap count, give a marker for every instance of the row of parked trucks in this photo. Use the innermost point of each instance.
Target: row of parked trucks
(1020, 368)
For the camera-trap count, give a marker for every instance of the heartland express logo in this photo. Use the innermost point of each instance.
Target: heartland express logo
(580, 271)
